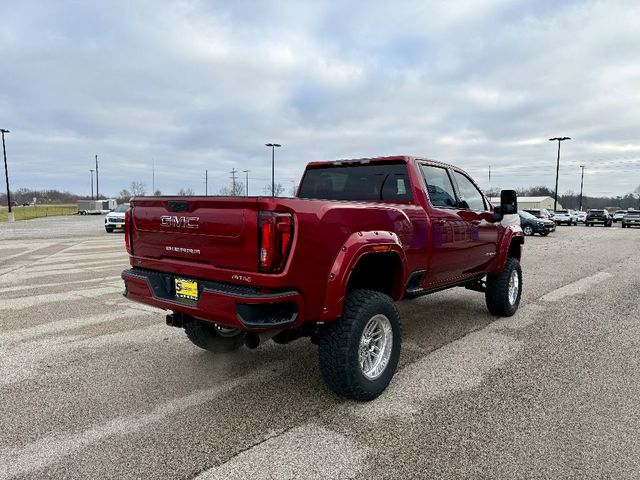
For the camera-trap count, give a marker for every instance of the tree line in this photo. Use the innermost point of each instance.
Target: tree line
(571, 199)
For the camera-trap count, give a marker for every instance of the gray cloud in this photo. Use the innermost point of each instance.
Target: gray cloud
(203, 85)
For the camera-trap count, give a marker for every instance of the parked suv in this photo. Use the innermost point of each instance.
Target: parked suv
(619, 215)
(598, 216)
(328, 264)
(531, 225)
(565, 216)
(539, 213)
(631, 219)
(115, 220)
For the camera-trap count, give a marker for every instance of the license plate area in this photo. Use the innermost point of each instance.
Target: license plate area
(186, 288)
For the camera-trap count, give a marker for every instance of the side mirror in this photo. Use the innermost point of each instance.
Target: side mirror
(508, 202)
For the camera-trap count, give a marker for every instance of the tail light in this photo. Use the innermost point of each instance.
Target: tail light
(275, 236)
(127, 231)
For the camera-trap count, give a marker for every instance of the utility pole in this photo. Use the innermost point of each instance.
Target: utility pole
(246, 182)
(273, 165)
(233, 180)
(559, 140)
(581, 184)
(206, 183)
(97, 182)
(153, 176)
(91, 170)
(6, 176)
(489, 179)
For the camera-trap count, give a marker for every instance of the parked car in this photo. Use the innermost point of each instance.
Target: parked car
(619, 215)
(327, 265)
(532, 225)
(539, 213)
(115, 220)
(598, 216)
(631, 219)
(565, 216)
(582, 216)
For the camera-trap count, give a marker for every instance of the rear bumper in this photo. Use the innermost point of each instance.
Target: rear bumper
(227, 304)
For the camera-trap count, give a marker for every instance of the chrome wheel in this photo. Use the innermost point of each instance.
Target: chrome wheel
(528, 230)
(376, 344)
(514, 285)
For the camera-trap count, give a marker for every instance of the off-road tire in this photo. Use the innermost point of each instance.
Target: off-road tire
(528, 230)
(497, 292)
(340, 344)
(204, 335)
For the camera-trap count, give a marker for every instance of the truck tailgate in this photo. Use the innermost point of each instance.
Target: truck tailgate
(216, 232)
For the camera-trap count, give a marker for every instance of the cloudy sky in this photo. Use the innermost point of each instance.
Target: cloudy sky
(198, 85)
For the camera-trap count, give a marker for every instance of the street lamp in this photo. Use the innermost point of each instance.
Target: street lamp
(559, 139)
(91, 170)
(273, 165)
(581, 184)
(6, 174)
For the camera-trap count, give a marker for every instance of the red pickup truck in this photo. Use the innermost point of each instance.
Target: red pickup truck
(328, 264)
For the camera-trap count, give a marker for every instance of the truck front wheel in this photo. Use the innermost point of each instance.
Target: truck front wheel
(212, 337)
(505, 289)
(359, 352)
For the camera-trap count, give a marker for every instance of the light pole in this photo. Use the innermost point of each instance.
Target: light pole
(91, 170)
(559, 139)
(273, 165)
(581, 184)
(6, 175)
(246, 182)
(97, 184)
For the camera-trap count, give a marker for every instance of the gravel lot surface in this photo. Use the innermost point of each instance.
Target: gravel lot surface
(94, 386)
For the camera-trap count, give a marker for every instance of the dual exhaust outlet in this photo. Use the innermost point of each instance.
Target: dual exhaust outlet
(178, 320)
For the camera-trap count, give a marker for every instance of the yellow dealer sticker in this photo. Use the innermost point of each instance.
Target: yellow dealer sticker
(186, 288)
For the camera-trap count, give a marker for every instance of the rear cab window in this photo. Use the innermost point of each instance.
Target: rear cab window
(379, 181)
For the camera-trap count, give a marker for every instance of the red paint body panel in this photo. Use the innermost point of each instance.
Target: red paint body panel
(329, 238)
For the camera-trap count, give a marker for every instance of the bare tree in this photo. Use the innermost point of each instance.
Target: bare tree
(234, 190)
(124, 196)
(138, 188)
(157, 193)
(278, 190)
(185, 192)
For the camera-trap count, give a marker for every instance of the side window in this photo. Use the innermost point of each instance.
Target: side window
(468, 192)
(439, 186)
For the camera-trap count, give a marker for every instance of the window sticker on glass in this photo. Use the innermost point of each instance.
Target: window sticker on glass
(400, 186)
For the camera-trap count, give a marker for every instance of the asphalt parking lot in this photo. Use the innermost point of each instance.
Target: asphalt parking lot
(94, 386)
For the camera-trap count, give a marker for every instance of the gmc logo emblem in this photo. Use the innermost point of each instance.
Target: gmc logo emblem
(179, 222)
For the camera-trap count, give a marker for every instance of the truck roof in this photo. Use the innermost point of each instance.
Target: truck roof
(392, 158)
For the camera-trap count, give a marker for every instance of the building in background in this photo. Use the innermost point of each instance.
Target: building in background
(525, 203)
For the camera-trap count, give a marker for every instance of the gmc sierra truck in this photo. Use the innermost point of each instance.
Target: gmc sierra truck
(328, 264)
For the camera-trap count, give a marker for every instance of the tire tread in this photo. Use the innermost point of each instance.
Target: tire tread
(496, 295)
(337, 340)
